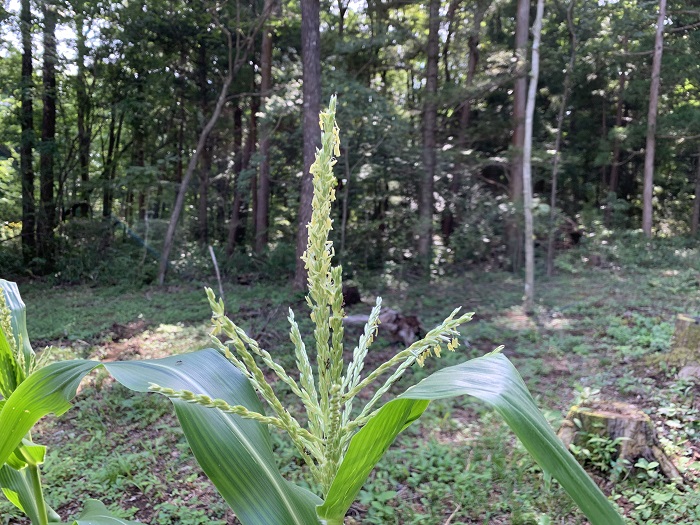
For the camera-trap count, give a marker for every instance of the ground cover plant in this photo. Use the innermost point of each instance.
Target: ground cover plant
(462, 461)
(231, 442)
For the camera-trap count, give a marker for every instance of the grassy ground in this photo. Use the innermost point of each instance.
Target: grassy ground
(599, 331)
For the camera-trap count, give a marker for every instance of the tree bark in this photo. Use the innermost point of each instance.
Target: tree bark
(311, 78)
(619, 113)
(515, 186)
(47, 205)
(235, 221)
(205, 159)
(263, 189)
(527, 163)
(452, 216)
(111, 162)
(651, 122)
(557, 142)
(695, 220)
(27, 139)
(83, 106)
(425, 203)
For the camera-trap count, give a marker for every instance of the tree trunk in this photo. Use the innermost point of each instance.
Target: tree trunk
(205, 160)
(452, 216)
(27, 140)
(451, 27)
(557, 142)
(619, 113)
(695, 220)
(425, 203)
(263, 190)
(235, 221)
(515, 186)
(651, 122)
(110, 168)
(83, 107)
(47, 205)
(203, 208)
(527, 163)
(311, 78)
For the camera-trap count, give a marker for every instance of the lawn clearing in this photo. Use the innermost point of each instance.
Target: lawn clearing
(593, 335)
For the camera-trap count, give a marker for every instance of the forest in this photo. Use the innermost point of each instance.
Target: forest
(534, 161)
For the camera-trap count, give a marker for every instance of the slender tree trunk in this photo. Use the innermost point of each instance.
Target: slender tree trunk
(557, 142)
(619, 114)
(106, 189)
(263, 190)
(515, 185)
(695, 220)
(110, 169)
(425, 203)
(27, 140)
(234, 224)
(47, 206)
(651, 121)
(452, 216)
(311, 62)
(83, 106)
(205, 159)
(451, 27)
(203, 211)
(342, 9)
(527, 163)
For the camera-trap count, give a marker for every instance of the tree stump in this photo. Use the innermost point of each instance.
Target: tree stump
(615, 420)
(685, 346)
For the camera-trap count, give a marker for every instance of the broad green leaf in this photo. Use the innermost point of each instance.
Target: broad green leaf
(95, 513)
(492, 379)
(19, 319)
(235, 453)
(16, 484)
(45, 391)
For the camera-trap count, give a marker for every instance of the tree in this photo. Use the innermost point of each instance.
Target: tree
(27, 137)
(47, 205)
(425, 203)
(651, 121)
(263, 194)
(311, 79)
(557, 142)
(695, 219)
(84, 102)
(237, 56)
(527, 162)
(515, 184)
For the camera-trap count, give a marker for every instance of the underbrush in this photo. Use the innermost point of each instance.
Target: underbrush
(595, 331)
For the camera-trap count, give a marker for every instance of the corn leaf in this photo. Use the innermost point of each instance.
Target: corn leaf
(492, 379)
(95, 513)
(235, 453)
(18, 313)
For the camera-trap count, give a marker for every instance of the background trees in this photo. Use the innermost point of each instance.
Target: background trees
(432, 155)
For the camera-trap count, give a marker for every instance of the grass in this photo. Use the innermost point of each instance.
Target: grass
(596, 331)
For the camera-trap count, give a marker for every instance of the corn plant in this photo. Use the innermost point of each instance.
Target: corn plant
(219, 396)
(22, 391)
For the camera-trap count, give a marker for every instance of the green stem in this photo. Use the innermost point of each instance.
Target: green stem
(38, 494)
